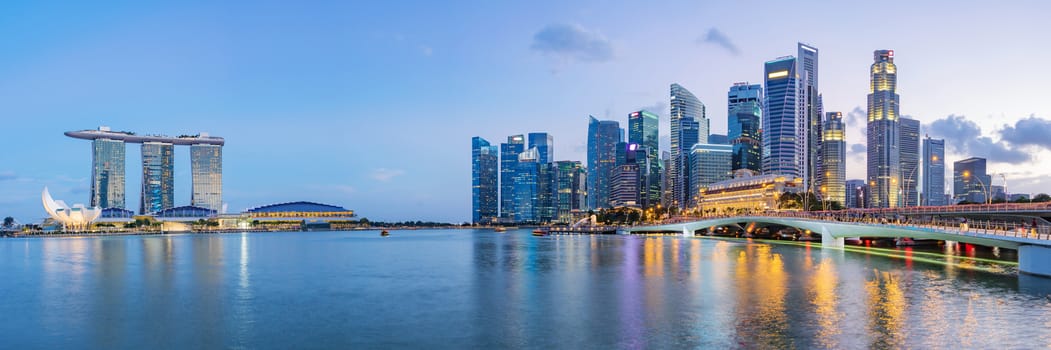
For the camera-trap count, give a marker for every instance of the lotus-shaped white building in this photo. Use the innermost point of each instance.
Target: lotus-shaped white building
(75, 217)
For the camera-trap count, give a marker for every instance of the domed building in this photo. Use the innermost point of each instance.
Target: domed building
(76, 217)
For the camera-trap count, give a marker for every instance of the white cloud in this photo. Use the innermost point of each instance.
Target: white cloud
(385, 175)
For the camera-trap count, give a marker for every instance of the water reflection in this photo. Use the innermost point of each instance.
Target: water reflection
(479, 289)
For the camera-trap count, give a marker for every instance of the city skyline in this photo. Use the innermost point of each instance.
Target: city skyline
(108, 70)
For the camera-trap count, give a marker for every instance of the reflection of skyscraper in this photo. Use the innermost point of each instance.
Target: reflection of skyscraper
(603, 137)
(781, 147)
(832, 186)
(933, 172)
(158, 177)
(206, 167)
(689, 125)
(910, 160)
(107, 176)
(884, 155)
(744, 115)
(642, 130)
(484, 168)
(508, 164)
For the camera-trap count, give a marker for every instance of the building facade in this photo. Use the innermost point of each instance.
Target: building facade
(508, 165)
(689, 123)
(570, 189)
(809, 116)
(832, 181)
(910, 161)
(708, 164)
(158, 177)
(545, 146)
(603, 137)
(970, 181)
(642, 130)
(752, 194)
(744, 120)
(206, 168)
(107, 175)
(884, 156)
(624, 186)
(933, 172)
(526, 185)
(781, 151)
(484, 174)
(856, 195)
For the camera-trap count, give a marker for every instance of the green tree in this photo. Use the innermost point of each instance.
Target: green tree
(1040, 198)
(9, 221)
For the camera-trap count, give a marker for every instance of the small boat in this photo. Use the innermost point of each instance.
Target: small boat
(500, 229)
(384, 233)
(539, 232)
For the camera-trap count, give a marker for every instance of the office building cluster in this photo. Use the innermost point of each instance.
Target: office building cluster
(780, 139)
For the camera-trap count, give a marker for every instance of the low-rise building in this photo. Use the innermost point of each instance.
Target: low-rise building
(748, 194)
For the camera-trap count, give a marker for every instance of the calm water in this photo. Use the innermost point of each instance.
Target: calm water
(479, 289)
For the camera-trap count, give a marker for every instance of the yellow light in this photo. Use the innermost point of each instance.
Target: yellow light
(777, 74)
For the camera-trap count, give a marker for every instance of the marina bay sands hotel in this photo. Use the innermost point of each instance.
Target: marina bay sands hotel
(158, 169)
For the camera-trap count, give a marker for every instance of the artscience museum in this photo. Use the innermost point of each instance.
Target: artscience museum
(76, 217)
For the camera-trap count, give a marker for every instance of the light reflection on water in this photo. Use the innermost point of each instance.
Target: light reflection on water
(479, 289)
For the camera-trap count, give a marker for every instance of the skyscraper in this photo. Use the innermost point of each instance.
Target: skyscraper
(718, 139)
(545, 146)
(484, 169)
(107, 175)
(526, 186)
(933, 172)
(832, 182)
(508, 165)
(642, 130)
(910, 161)
(603, 137)
(689, 124)
(545, 208)
(206, 168)
(158, 177)
(570, 192)
(708, 164)
(884, 154)
(809, 115)
(970, 182)
(744, 117)
(856, 194)
(781, 152)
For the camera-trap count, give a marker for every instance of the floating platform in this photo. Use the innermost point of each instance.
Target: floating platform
(584, 230)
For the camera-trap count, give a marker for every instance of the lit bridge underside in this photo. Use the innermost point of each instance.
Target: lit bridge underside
(1034, 254)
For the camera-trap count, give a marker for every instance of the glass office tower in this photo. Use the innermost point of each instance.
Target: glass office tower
(832, 182)
(508, 164)
(526, 186)
(603, 137)
(933, 172)
(884, 137)
(545, 146)
(744, 118)
(158, 177)
(970, 182)
(107, 175)
(484, 169)
(206, 168)
(642, 130)
(689, 125)
(569, 186)
(810, 113)
(709, 164)
(781, 151)
(910, 161)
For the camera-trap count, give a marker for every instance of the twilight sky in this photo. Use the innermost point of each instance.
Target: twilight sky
(372, 106)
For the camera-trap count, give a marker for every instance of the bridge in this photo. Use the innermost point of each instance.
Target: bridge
(1033, 244)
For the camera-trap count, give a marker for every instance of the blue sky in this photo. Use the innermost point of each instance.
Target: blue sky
(371, 105)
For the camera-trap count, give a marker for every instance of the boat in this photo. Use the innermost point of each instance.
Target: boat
(384, 233)
(500, 229)
(539, 232)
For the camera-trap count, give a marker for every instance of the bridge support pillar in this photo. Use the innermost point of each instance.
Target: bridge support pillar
(1035, 260)
(828, 241)
(687, 232)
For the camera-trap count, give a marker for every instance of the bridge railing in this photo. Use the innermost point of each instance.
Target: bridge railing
(939, 225)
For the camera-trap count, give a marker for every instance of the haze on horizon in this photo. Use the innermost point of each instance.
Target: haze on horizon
(372, 106)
